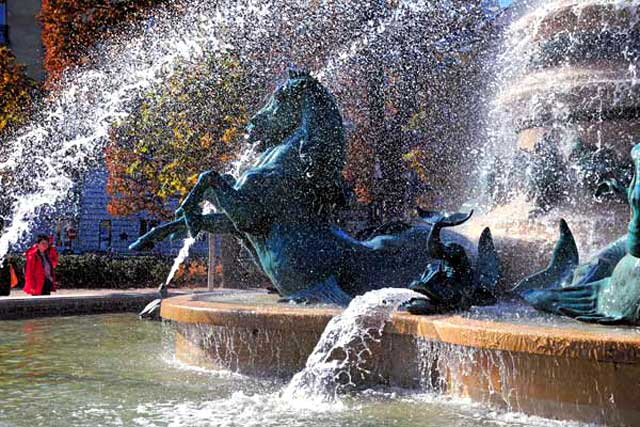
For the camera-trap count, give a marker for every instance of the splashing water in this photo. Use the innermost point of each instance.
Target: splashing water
(539, 85)
(67, 136)
(344, 357)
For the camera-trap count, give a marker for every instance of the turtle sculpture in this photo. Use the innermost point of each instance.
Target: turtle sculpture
(281, 210)
(605, 290)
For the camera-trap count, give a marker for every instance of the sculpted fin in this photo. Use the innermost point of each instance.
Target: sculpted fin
(488, 270)
(560, 270)
(327, 292)
(444, 220)
(579, 302)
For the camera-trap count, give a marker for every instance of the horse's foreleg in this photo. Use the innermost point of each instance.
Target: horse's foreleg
(242, 207)
(190, 208)
(218, 189)
(212, 223)
(245, 212)
(157, 234)
(191, 203)
(207, 181)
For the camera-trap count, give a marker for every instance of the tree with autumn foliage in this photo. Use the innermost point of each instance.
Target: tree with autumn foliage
(192, 123)
(17, 91)
(71, 27)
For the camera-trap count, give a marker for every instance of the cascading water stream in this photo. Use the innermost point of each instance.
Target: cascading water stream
(560, 122)
(67, 136)
(346, 353)
(524, 92)
(182, 255)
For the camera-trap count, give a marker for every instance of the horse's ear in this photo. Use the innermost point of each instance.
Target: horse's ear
(298, 74)
(293, 73)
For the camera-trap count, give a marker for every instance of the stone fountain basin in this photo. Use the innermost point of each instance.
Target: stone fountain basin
(588, 92)
(575, 16)
(507, 356)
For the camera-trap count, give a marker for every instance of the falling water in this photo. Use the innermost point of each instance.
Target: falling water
(562, 66)
(67, 136)
(182, 255)
(528, 97)
(342, 359)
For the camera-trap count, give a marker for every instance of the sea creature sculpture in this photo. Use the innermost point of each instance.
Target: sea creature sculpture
(281, 209)
(449, 281)
(607, 289)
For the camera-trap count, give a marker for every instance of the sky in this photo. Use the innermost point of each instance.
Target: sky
(504, 3)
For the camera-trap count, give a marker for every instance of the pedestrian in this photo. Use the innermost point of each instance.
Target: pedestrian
(39, 271)
(5, 278)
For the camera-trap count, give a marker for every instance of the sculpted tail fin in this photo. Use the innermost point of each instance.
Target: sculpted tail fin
(579, 302)
(560, 270)
(487, 270)
(434, 217)
(439, 221)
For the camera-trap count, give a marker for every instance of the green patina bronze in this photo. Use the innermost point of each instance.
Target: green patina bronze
(281, 209)
(607, 289)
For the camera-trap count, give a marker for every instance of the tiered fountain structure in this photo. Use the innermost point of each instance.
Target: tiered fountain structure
(563, 120)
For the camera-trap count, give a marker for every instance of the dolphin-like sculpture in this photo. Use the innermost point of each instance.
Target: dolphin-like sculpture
(607, 289)
(449, 281)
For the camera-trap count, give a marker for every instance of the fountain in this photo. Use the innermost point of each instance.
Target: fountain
(507, 356)
(563, 122)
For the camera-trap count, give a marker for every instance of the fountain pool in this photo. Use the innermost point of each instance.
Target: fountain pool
(508, 356)
(47, 379)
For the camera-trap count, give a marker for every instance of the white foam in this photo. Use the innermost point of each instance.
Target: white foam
(341, 359)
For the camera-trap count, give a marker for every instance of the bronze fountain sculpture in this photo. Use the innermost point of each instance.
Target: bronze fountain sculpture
(281, 210)
(607, 289)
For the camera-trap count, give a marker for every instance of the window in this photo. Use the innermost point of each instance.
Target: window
(4, 28)
(104, 236)
(146, 225)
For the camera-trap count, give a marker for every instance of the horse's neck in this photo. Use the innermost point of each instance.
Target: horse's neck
(312, 127)
(316, 122)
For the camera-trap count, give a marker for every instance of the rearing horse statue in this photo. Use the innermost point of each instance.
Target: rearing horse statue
(281, 210)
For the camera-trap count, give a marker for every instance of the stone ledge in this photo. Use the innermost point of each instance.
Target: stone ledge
(566, 339)
(45, 306)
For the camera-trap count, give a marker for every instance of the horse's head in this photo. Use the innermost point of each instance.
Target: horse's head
(282, 114)
(317, 153)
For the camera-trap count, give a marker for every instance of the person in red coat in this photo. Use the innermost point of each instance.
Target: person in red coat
(39, 271)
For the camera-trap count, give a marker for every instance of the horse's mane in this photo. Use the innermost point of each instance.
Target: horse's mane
(323, 151)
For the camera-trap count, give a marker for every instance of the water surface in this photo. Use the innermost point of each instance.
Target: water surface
(114, 370)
